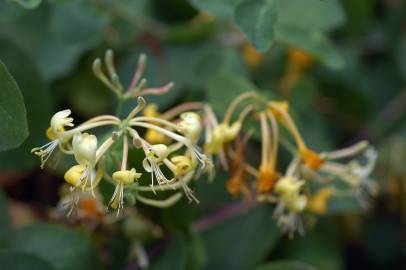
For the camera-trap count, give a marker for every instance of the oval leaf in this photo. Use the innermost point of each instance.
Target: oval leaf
(13, 116)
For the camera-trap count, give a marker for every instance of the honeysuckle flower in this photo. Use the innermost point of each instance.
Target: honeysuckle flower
(155, 155)
(79, 176)
(354, 173)
(122, 178)
(190, 125)
(153, 136)
(58, 123)
(318, 202)
(84, 148)
(267, 174)
(298, 62)
(182, 165)
(237, 181)
(290, 204)
(221, 135)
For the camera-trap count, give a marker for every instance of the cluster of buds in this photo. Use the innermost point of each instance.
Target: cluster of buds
(171, 165)
(291, 192)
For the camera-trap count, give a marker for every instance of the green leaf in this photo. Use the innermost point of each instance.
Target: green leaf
(241, 242)
(223, 9)
(38, 106)
(13, 116)
(173, 257)
(14, 260)
(323, 15)
(196, 253)
(286, 265)
(312, 248)
(29, 4)
(223, 87)
(314, 42)
(63, 248)
(256, 19)
(74, 28)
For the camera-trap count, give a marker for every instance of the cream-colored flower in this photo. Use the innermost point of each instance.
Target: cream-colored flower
(57, 127)
(290, 204)
(60, 120)
(221, 135)
(155, 156)
(190, 125)
(84, 148)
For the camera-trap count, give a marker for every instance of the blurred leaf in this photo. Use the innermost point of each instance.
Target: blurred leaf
(74, 28)
(344, 205)
(13, 116)
(196, 252)
(223, 87)
(319, 247)
(61, 247)
(256, 19)
(223, 9)
(38, 105)
(312, 41)
(263, 21)
(14, 260)
(173, 257)
(9, 12)
(4, 215)
(29, 4)
(241, 242)
(286, 265)
(323, 15)
(358, 15)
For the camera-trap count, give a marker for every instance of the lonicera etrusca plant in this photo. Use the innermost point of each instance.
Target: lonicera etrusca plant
(180, 144)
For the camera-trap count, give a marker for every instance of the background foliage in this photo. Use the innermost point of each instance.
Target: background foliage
(352, 87)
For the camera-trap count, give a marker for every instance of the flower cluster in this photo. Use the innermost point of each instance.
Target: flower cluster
(172, 156)
(171, 164)
(291, 191)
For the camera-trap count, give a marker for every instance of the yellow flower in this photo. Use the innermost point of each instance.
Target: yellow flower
(266, 179)
(153, 136)
(276, 107)
(318, 202)
(126, 177)
(77, 176)
(122, 178)
(190, 125)
(288, 185)
(221, 135)
(183, 165)
(311, 159)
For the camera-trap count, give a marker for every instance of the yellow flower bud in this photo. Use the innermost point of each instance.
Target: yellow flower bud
(276, 107)
(84, 148)
(288, 185)
(72, 176)
(190, 125)
(318, 203)
(295, 203)
(183, 165)
(126, 177)
(222, 134)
